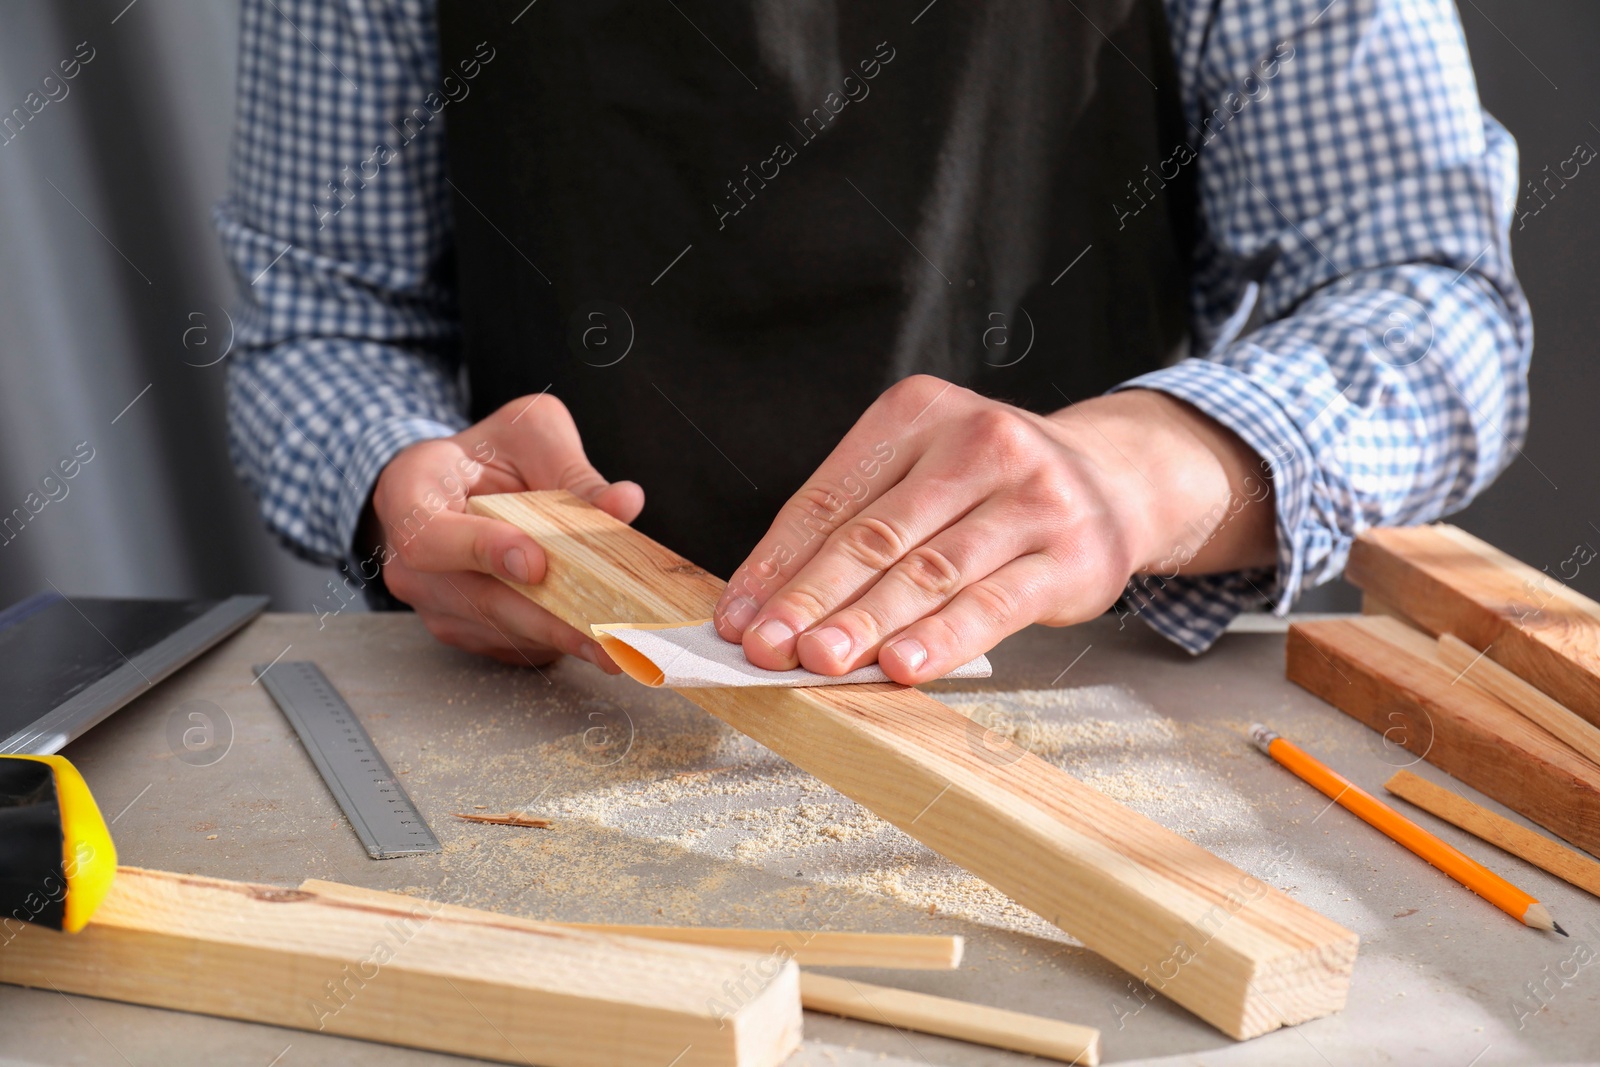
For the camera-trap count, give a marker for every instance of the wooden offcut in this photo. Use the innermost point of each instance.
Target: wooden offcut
(977, 1023)
(1448, 582)
(509, 818)
(1224, 944)
(522, 993)
(1392, 677)
(1552, 856)
(1486, 674)
(813, 948)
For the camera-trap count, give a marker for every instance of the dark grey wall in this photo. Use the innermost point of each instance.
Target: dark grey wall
(107, 259)
(1537, 72)
(111, 282)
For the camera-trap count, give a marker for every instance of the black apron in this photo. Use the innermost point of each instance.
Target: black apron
(717, 231)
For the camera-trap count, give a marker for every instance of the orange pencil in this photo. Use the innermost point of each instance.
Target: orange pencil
(1463, 868)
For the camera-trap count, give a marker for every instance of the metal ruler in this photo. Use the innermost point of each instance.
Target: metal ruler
(383, 815)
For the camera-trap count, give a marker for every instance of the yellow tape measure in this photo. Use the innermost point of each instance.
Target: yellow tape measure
(56, 856)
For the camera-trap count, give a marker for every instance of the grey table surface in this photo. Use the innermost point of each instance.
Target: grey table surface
(646, 794)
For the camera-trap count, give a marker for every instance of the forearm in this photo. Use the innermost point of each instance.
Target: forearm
(347, 327)
(1387, 380)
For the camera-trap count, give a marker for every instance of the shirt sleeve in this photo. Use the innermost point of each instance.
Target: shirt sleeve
(337, 226)
(1355, 311)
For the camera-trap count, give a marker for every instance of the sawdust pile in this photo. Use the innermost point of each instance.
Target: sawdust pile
(664, 814)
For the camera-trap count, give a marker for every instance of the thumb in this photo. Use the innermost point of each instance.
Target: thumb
(551, 456)
(620, 500)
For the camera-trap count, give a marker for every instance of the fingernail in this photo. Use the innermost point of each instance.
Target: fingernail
(589, 651)
(776, 633)
(515, 561)
(910, 651)
(739, 613)
(835, 641)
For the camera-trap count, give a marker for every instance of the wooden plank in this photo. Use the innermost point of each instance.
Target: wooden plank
(520, 993)
(1221, 942)
(1521, 697)
(812, 948)
(1383, 673)
(1498, 830)
(978, 1023)
(1447, 581)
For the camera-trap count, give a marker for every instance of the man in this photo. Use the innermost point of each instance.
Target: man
(838, 290)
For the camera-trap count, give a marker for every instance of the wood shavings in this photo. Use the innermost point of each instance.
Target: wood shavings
(507, 819)
(702, 825)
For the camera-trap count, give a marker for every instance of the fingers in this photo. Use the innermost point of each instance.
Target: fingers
(427, 525)
(543, 448)
(465, 608)
(923, 581)
(445, 562)
(977, 618)
(481, 640)
(858, 555)
(875, 455)
(620, 500)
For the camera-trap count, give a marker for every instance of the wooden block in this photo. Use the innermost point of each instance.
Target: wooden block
(978, 1023)
(1232, 949)
(1371, 605)
(1521, 697)
(1498, 830)
(1383, 673)
(521, 993)
(1447, 581)
(813, 948)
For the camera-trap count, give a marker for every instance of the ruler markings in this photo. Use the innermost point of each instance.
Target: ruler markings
(377, 805)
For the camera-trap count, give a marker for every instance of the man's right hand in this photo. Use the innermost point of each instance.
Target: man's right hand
(446, 563)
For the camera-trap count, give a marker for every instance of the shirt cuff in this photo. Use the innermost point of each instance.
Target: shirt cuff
(377, 445)
(1194, 610)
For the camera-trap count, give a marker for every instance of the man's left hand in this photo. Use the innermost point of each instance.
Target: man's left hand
(945, 521)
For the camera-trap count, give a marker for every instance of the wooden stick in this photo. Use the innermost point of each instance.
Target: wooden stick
(508, 819)
(1224, 944)
(808, 947)
(1498, 830)
(1383, 673)
(1489, 676)
(489, 989)
(1447, 581)
(978, 1023)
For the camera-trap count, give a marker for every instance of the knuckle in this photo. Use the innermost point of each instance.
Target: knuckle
(442, 627)
(1054, 484)
(931, 572)
(865, 618)
(817, 508)
(407, 527)
(402, 582)
(914, 391)
(579, 477)
(996, 602)
(1004, 434)
(544, 405)
(495, 613)
(482, 552)
(872, 541)
(798, 603)
(407, 551)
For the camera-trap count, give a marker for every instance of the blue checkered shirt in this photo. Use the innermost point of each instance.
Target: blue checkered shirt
(1354, 312)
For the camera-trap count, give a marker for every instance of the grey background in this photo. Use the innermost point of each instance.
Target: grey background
(107, 258)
